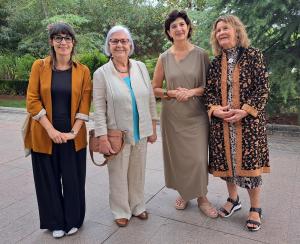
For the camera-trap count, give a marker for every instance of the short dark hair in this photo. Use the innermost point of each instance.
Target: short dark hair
(61, 28)
(172, 17)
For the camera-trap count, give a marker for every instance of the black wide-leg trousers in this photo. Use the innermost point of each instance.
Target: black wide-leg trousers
(60, 186)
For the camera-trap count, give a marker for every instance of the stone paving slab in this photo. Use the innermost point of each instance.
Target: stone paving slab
(19, 222)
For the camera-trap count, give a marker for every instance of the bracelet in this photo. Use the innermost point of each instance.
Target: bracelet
(165, 93)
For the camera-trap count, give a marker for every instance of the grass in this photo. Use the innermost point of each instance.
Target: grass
(17, 103)
(13, 103)
(21, 103)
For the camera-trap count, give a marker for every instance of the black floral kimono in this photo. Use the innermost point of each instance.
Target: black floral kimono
(249, 91)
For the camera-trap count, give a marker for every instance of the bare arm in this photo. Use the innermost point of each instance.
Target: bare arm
(157, 82)
(76, 128)
(181, 94)
(199, 91)
(55, 135)
(185, 94)
(158, 78)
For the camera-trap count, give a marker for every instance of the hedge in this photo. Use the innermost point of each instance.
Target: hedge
(13, 87)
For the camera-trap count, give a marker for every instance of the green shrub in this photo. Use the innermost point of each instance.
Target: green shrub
(15, 68)
(13, 87)
(23, 66)
(7, 66)
(89, 41)
(150, 64)
(93, 60)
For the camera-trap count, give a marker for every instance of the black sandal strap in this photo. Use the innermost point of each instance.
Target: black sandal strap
(224, 211)
(236, 202)
(257, 210)
(253, 222)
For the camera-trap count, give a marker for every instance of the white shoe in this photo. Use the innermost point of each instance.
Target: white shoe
(58, 233)
(72, 231)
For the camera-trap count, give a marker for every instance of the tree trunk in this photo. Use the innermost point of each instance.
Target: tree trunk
(45, 8)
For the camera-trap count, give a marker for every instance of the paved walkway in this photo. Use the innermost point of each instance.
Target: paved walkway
(19, 221)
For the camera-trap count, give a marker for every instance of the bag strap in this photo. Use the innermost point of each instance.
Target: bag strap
(107, 157)
(144, 75)
(95, 162)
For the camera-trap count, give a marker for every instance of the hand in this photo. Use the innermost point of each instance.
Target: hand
(184, 94)
(152, 138)
(182, 89)
(181, 94)
(223, 112)
(172, 93)
(56, 136)
(237, 115)
(69, 136)
(104, 146)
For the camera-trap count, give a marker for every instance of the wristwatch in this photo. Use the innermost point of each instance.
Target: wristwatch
(73, 132)
(165, 93)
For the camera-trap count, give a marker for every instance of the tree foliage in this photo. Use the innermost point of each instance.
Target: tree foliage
(25, 23)
(272, 25)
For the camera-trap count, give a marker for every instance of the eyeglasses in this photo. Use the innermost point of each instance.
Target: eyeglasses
(116, 41)
(58, 39)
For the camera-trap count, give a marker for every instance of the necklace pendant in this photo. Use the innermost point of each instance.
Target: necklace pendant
(122, 72)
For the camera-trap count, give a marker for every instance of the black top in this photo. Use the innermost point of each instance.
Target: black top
(61, 90)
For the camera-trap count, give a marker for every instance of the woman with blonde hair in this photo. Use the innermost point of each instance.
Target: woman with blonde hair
(236, 95)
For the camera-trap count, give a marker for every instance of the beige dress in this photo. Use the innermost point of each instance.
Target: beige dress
(184, 126)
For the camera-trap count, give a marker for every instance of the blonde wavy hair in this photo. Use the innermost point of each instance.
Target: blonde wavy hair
(236, 23)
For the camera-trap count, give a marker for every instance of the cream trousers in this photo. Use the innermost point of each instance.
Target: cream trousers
(127, 180)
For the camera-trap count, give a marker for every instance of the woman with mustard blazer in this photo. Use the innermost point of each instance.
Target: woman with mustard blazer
(58, 100)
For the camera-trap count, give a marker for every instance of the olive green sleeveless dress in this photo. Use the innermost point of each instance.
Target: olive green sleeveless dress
(184, 126)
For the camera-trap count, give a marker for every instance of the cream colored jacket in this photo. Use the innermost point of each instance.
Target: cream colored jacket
(112, 100)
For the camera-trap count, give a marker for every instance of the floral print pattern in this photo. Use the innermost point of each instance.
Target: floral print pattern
(253, 94)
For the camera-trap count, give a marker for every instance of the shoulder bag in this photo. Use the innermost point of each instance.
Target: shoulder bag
(116, 139)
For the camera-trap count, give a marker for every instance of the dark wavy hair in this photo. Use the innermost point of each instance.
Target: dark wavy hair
(172, 17)
(60, 28)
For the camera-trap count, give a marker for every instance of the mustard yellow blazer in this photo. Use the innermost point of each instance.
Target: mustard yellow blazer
(38, 102)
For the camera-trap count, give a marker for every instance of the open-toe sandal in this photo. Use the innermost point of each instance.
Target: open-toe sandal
(181, 204)
(208, 209)
(257, 224)
(236, 205)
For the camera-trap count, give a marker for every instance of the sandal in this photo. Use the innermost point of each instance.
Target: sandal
(180, 203)
(208, 209)
(254, 222)
(236, 205)
(142, 216)
(122, 222)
